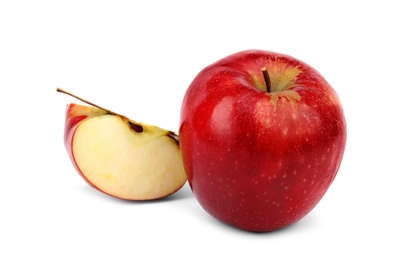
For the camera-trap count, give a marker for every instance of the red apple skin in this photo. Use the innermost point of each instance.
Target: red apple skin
(255, 160)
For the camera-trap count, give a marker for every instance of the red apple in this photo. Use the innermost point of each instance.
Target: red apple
(262, 137)
(121, 157)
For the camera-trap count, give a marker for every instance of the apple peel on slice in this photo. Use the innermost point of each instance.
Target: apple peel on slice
(120, 157)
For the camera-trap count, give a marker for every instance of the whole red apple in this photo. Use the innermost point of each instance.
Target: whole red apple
(262, 137)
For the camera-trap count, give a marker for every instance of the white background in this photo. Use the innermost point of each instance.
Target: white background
(137, 58)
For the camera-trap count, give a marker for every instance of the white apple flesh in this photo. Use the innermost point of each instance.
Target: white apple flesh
(123, 158)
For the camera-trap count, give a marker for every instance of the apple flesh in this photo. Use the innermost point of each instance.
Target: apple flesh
(262, 137)
(120, 157)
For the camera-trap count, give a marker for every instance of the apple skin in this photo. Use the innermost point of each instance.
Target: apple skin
(255, 160)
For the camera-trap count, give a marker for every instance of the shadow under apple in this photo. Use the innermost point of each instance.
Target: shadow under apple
(181, 194)
(307, 223)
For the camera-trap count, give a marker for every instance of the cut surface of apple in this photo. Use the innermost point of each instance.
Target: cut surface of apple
(127, 164)
(123, 158)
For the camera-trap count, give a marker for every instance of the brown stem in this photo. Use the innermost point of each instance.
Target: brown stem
(133, 125)
(85, 101)
(266, 79)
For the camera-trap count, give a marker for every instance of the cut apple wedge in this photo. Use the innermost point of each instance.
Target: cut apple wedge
(121, 157)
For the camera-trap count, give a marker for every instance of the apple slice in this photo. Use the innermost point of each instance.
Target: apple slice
(120, 157)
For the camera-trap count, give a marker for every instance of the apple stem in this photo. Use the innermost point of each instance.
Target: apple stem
(85, 101)
(133, 125)
(266, 79)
